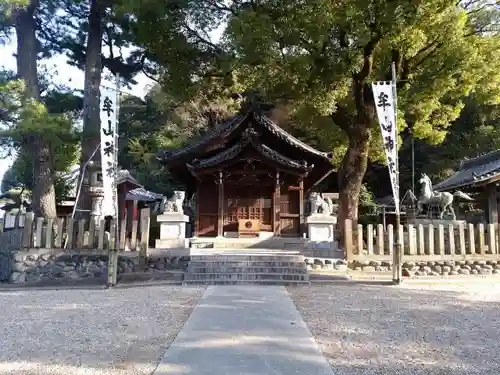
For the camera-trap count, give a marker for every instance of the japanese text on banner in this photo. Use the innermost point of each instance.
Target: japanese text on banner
(108, 154)
(384, 103)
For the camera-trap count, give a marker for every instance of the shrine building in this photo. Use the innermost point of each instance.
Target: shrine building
(248, 168)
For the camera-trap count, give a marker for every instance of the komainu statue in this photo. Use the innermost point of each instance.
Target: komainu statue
(174, 203)
(320, 205)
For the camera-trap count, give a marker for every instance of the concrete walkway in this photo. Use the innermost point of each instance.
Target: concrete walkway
(244, 330)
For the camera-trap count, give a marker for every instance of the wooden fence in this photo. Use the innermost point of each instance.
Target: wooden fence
(71, 234)
(422, 242)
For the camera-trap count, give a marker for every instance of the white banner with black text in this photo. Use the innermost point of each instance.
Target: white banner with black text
(383, 95)
(109, 130)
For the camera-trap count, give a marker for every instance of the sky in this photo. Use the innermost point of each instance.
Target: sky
(67, 75)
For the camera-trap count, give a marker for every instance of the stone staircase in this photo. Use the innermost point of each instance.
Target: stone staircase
(246, 266)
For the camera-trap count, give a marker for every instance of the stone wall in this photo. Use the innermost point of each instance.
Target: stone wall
(451, 268)
(431, 268)
(53, 265)
(9, 241)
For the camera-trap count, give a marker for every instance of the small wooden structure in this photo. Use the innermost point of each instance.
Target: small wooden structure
(247, 227)
(478, 175)
(248, 168)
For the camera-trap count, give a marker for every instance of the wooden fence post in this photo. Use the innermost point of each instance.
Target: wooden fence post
(492, 243)
(451, 239)
(441, 239)
(360, 242)
(421, 239)
(430, 230)
(482, 249)
(58, 243)
(145, 224)
(348, 239)
(28, 230)
(380, 239)
(472, 239)
(133, 239)
(461, 239)
(123, 235)
(412, 240)
(48, 233)
(39, 232)
(390, 238)
(369, 239)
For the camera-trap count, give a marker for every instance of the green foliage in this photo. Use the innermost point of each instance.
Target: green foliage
(476, 131)
(24, 118)
(366, 199)
(310, 54)
(20, 176)
(160, 122)
(53, 120)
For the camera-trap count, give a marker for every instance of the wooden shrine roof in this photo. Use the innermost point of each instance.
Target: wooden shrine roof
(250, 140)
(230, 139)
(225, 129)
(481, 170)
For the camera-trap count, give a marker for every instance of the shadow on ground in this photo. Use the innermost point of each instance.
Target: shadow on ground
(362, 329)
(374, 329)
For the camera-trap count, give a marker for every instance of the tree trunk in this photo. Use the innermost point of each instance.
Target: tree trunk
(351, 173)
(44, 196)
(91, 110)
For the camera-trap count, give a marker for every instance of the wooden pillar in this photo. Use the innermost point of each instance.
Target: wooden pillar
(301, 208)
(276, 206)
(197, 214)
(135, 210)
(491, 192)
(220, 210)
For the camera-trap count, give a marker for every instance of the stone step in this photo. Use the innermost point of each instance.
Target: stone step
(245, 264)
(239, 282)
(246, 258)
(281, 243)
(245, 276)
(246, 270)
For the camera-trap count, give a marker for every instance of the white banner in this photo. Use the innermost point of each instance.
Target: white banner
(109, 108)
(383, 95)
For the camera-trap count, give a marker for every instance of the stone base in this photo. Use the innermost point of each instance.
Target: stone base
(176, 243)
(320, 228)
(172, 230)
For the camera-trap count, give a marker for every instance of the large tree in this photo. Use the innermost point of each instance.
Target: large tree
(322, 55)
(31, 136)
(94, 37)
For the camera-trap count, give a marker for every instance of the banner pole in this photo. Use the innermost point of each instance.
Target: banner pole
(398, 251)
(113, 251)
(117, 206)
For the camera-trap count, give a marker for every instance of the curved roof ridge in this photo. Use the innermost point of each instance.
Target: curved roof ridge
(261, 148)
(219, 131)
(484, 158)
(275, 128)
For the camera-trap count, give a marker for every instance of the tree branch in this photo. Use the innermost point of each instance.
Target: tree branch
(368, 50)
(342, 118)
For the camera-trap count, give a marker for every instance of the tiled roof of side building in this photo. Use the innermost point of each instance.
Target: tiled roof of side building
(472, 171)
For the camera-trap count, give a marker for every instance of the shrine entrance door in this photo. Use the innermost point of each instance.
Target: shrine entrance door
(248, 202)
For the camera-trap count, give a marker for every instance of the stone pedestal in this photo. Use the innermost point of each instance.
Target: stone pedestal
(172, 230)
(320, 228)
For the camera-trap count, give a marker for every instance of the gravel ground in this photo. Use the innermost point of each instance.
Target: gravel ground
(444, 328)
(122, 331)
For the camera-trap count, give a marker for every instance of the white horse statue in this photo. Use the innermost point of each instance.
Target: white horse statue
(443, 200)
